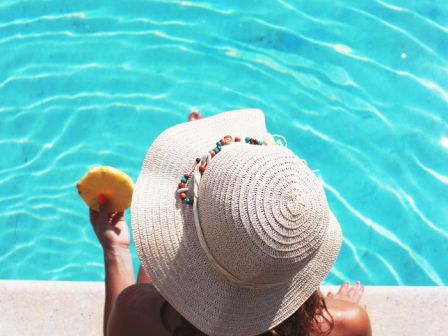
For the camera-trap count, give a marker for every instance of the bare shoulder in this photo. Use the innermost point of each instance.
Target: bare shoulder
(350, 319)
(139, 297)
(139, 291)
(137, 312)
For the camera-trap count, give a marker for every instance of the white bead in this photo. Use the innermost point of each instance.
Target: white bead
(206, 158)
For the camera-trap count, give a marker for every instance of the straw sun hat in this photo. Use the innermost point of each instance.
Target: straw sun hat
(258, 239)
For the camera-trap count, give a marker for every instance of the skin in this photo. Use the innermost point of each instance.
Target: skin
(350, 318)
(134, 309)
(113, 234)
(194, 116)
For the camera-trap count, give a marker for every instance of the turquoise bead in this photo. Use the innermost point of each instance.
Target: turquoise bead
(260, 142)
(216, 150)
(187, 200)
(219, 144)
(247, 139)
(183, 180)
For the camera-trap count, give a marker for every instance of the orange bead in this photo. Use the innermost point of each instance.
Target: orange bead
(202, 168)
(182, 185)
(237, 139)
(183, 196)
(212, 153)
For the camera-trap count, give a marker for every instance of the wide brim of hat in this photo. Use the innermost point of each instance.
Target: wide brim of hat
(168, 248)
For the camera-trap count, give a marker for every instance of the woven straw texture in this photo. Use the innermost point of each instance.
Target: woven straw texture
(264, 217)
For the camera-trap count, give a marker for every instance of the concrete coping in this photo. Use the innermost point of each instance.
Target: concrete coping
(76, 308)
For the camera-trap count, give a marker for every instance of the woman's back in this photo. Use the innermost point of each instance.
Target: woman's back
(141, 310)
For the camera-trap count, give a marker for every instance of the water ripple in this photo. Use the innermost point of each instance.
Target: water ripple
(19, 22)
(421, 17)
(358, 89)
(389, 235)
(398, 30)
(432, 172)
(391, 269)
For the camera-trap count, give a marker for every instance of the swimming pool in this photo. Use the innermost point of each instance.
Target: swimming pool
(359, 89)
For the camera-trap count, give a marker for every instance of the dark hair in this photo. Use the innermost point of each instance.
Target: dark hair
(312, 316)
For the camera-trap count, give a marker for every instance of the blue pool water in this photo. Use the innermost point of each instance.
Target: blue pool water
(358, 88)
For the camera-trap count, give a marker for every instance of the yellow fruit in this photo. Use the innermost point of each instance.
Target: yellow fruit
(106, 183)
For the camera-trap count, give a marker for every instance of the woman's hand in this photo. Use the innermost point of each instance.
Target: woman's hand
(110, 228)
(351, 294)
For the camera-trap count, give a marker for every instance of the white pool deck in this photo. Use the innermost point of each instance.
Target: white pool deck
(76, 308)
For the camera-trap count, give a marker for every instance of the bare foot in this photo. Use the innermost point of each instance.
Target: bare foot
(194, 116)
(350, 294)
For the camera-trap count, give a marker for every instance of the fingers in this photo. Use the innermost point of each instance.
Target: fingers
(99, 217)
(103, 213)
(353, 292)
(103, 219)
(357, 293)
(344, 288)
(93, 216)
(115, 217)
(357, 297)
(103, 206)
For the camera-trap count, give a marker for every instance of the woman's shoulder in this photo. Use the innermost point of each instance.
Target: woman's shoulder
(141, 295)
(137, 309)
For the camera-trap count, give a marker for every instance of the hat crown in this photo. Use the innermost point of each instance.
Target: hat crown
(262, 211)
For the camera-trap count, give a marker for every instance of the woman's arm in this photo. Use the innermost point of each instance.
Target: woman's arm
(119, 275)
(113, 234)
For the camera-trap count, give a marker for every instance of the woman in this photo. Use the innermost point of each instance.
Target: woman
(236, 234)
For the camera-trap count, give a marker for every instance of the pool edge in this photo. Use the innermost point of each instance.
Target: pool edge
(76, 308)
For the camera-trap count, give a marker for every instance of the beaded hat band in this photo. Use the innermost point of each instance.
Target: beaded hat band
(182, 188)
